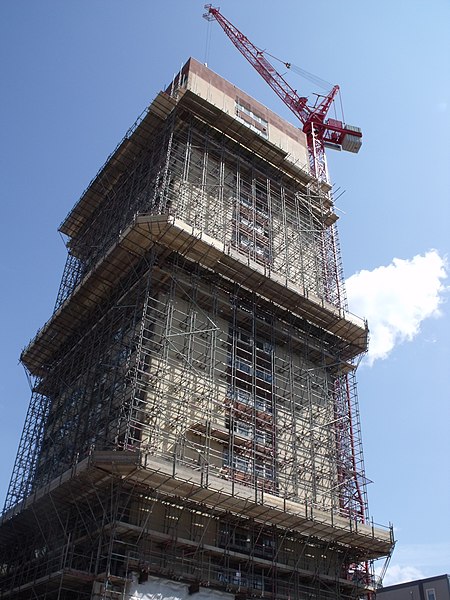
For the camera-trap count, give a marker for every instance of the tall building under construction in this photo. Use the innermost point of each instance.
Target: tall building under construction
(194, 427)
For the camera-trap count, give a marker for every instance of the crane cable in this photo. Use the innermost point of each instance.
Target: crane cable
(207, 43)
(322, 83)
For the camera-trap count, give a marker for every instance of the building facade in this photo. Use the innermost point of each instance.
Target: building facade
(431, 588)
(194, 426)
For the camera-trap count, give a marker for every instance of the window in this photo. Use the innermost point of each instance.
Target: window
(263, 437)
(241, 539)
(245, 200)
(243, 428)
(256, 248)
(240, 463)
(263, 404)
(243, 365)
(264, 374)
(244, 240)
(262, 209)
(263, 346)
(265, 546)
(251, 221)
(263, 470)
(246, 115)
(243, 396)
(431, 594)
(253, 225)
(244, 338)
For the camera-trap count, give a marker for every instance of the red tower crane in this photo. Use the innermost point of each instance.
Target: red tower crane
(320, 132)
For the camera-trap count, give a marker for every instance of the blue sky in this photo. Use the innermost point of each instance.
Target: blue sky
(76, 74)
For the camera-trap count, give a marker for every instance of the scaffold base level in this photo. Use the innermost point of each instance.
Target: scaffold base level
(210, 490)
(52, 583)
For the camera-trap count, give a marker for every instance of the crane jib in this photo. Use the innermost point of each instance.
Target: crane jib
(319, 131)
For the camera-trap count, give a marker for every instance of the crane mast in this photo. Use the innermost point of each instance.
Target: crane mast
(320, 132)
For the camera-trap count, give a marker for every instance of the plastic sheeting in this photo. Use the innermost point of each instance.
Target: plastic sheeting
(164, 589)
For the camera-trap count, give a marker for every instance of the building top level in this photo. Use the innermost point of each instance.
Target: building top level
(219, 92)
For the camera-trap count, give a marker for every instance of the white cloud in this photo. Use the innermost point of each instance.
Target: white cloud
(396, 298)
(401, 574)
(417, 561)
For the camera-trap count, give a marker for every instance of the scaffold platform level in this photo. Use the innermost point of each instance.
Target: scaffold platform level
(170, 233)
(239, 132)
(140, 135)
(205, 487)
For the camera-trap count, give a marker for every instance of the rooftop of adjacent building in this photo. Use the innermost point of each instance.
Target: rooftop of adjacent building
(406, 588)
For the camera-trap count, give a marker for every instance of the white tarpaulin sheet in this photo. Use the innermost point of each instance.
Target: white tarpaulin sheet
(163, 589)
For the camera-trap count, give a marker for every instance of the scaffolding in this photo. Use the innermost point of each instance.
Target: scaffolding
(194, 412)
(117, 515)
